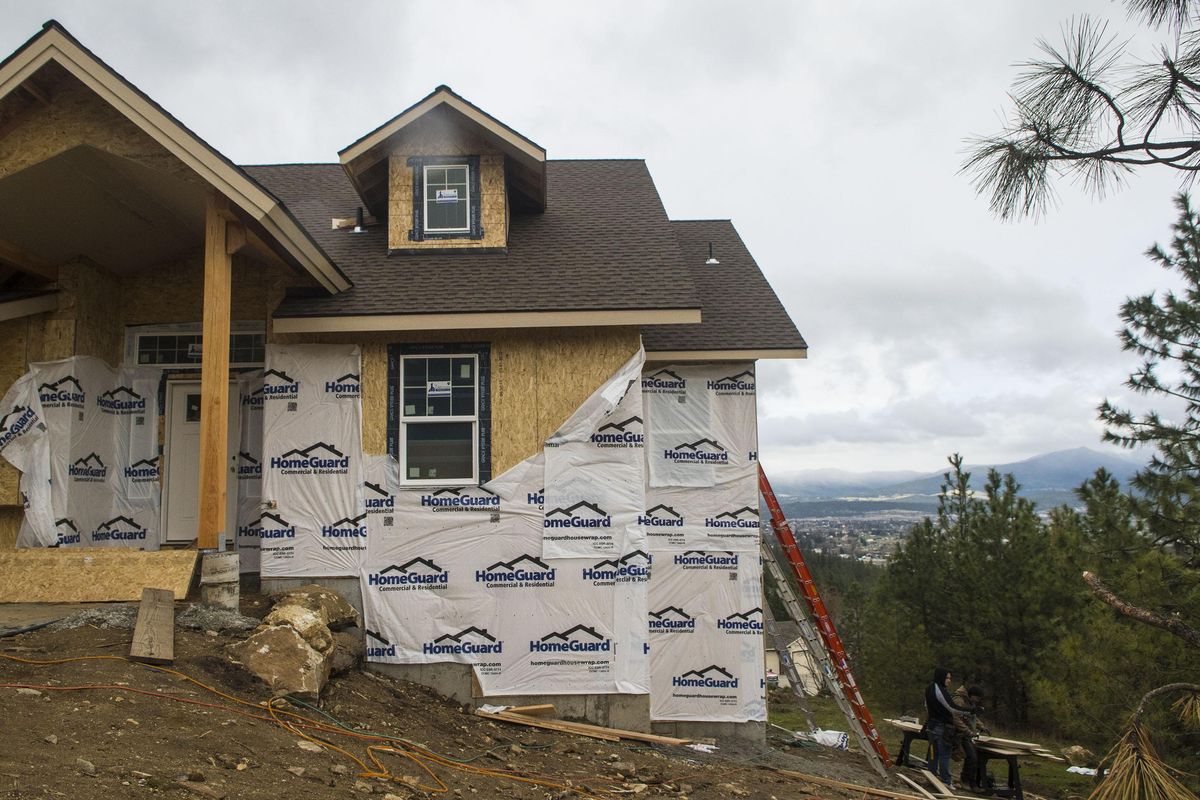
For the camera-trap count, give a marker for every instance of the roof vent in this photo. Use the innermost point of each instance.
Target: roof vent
(358, 221)
(712, 260)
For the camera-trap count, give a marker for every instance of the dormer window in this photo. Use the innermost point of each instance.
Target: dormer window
(446, 198)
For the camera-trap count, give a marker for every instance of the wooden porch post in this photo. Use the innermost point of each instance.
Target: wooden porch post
(214, 376)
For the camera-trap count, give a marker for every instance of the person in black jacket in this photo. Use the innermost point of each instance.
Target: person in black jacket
(941, 711)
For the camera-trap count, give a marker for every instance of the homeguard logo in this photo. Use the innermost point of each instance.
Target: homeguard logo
(701, 451)
(663, 382)
(321, 458)
(15, 423)
(264, 529)
(711, 677)
(378, 501)
(346, 528)
(388, 650)
(121, 400)
(661, 516)
(144, 471)
(631, 568)
(346, 387)
(744, 517)
(64, 392)
(746, 622)
(469, 499)
(248, 467)
(119, 529)
(89, 469)
(579, 639)
(524, 571)
(580, 515)
(417, 573)
(467, 642)
(278, 385)
(67, 532)
(698, 559)
(742, 383)
(672, 619)
(536, 497)
(627, 433)
(254, 400)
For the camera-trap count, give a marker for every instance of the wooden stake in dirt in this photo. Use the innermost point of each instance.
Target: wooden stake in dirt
(154, 633)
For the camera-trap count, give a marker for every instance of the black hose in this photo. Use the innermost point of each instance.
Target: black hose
(6, 632)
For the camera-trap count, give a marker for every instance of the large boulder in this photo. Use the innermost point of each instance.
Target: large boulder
(348, 650)
(308, 623)
(284, 660)
(335, 612)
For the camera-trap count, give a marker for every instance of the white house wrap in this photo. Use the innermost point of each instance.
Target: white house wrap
(24, 443)
(249, 465)
(312, 446)
(595, 471)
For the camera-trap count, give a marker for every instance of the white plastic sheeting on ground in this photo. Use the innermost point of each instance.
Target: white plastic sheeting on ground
(249, 465)
(595, 468)
(312, 450)
(101, 451)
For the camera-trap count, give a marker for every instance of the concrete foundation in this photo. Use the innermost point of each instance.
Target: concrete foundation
(747, 732)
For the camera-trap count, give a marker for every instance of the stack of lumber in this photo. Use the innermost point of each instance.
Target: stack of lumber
(542, 716)
(993, 744)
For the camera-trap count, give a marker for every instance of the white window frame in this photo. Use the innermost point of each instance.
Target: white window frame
(134, 334)
(406, 420)
(425, 197)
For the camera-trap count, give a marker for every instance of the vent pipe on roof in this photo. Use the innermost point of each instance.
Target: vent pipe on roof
(712, 260)
(358, 221)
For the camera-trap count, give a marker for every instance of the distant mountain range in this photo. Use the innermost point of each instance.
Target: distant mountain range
(1048, 479)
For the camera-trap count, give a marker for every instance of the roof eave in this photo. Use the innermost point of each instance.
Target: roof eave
(484, 320)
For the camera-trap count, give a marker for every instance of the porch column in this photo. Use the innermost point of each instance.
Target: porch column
(214, 372)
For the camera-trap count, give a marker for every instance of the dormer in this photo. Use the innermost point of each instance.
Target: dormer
(446, 176)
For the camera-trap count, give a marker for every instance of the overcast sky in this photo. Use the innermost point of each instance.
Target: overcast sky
(829, 132)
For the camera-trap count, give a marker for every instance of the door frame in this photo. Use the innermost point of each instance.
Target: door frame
(176, 384)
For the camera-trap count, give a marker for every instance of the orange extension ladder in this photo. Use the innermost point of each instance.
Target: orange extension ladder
(844, 688)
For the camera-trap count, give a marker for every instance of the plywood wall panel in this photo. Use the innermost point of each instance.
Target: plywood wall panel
(10, 525)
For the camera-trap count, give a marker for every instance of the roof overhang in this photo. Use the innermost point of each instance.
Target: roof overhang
(676, 356)
(364, 160)
(17, 307)
(258, 206)
(471, 321)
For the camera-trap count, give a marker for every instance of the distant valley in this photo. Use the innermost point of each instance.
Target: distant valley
(1048, 479)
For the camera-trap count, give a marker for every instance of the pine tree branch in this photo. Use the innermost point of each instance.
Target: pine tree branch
(1173, 625)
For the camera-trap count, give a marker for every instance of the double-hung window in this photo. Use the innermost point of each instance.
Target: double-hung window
(439, 419)
(447, 198)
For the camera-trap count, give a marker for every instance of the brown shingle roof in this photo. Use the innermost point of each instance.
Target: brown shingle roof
(603, 243)
(740, 310)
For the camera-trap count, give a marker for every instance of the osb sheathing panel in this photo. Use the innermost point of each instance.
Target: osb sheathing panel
(433, 136)
(95, 301)
(93, 574)
(174, 292)
(14, 333)
(10, 525)
(76, 116)
(538, 379)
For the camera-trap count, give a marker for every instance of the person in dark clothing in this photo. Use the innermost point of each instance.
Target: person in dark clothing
(939, 724)
(967, 728)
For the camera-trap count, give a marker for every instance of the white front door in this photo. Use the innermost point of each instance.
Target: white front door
(182, 479)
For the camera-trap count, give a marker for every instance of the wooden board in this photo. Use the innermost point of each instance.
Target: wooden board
(916, 786)
(154, 633)
(91, 574)
(582, 728)
(542, 710)
(937, 785)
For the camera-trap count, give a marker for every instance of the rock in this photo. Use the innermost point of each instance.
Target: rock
(515, 748)
(686, 788)
(195, 776)
(297, 771)
(281, 657)
(335, 612)
(348, 650)
(625, 767)
(308, 623)
(612, 756)
(310, 747)
(390, 796)
(339, 769)
(362, 787)
(51, 739)
(732, 789)
(1078, 756)
(86, 767)
(29, 692)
